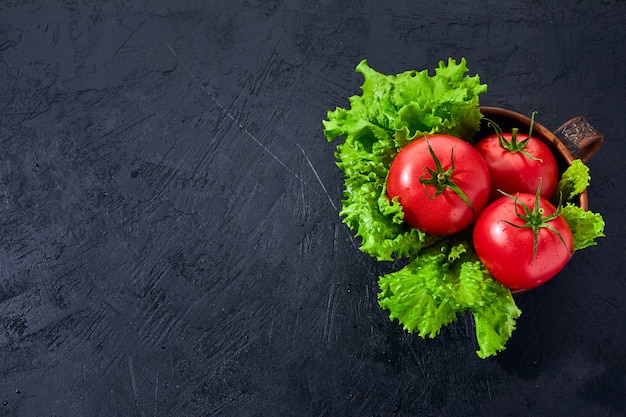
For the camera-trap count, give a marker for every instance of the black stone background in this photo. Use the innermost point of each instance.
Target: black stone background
(170, 236)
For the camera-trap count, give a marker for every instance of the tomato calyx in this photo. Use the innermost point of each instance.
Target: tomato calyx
(534, 219)
(513, 145)
(442, 179)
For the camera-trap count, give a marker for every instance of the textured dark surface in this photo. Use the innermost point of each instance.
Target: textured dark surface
(171, 244)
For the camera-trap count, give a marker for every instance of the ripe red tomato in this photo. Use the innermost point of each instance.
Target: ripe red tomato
(519, 171)
(441, 182)
(505, 241)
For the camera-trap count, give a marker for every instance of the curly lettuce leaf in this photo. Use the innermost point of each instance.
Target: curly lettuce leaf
(495, 316)
(432, 290)
(366, 208)
(586, 226)
(574, 180)
(446, 102)
(390, 112)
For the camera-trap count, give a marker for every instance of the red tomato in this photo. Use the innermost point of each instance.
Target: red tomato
(516, 171)
(441, 182)
(504, 240)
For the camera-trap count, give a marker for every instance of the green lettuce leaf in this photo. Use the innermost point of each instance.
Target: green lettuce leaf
(432, 290)
(446, 102)
(586, 226)
(574, 180)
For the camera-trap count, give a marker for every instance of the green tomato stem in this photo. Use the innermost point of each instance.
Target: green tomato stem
(442, 179)
(513, 145)
(535, 220)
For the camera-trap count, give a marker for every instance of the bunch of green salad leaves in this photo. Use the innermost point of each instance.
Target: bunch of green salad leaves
(442, 277)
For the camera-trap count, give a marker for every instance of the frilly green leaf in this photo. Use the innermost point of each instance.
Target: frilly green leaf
(586, 226)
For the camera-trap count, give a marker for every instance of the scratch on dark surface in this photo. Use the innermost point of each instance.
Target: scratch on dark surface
(268, 68)
(133, 382)
(329, 314)
(126, 127)
(127, 39)
(156, 393)
(84, 381)
(270, 330)
(318, 177)
(228, 114)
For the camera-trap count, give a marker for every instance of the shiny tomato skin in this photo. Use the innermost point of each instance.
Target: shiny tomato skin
(514, 172)
(507, 251)
(446, 213)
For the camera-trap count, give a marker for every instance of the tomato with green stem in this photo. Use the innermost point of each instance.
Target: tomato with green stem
(523, 240)
(517, 162)
(441, 182)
